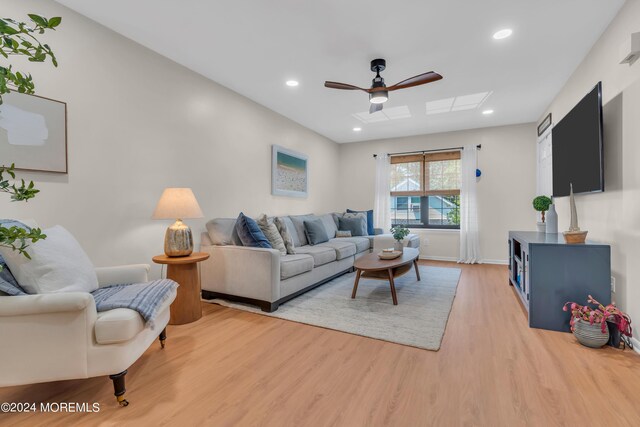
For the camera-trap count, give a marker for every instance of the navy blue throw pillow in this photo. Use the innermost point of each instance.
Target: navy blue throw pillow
(369, 213)
(250, 233)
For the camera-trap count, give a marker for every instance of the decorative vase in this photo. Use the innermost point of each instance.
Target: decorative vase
(590, 335)
(552, 220)
(398, 246)
(542, 226)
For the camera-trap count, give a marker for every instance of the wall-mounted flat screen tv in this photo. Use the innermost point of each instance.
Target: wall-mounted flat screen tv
(577, 147)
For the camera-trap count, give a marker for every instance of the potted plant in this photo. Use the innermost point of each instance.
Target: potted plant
(591, 326)
(541, 204)
(14, 237)
(399, 233)
(20, 39)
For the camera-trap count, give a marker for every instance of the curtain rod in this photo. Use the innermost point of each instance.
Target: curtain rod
(479, 146)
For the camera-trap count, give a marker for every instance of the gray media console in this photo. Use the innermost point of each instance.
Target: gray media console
(546, 273)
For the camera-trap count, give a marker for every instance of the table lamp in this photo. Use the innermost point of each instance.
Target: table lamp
(178, 204)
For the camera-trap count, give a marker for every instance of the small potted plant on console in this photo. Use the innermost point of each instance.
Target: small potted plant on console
(541, 204)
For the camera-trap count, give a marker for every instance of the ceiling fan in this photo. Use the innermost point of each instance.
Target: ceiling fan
(379, 92)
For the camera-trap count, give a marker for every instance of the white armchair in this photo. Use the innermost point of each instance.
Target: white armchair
(60, 336)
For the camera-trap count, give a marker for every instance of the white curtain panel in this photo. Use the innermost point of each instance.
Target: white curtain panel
(381, 206)
(469, 240)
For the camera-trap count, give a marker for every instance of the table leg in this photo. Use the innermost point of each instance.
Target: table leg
(186, 308)
(393, 287)
(355, 285)
(415, 264)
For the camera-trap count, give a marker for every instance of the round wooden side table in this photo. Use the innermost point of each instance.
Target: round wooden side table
(187, 307)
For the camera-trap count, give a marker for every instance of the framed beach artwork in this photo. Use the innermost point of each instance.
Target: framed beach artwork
(289, 173)
(33, 133)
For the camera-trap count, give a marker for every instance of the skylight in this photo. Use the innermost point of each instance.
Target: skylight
(457, 103)
(393, 113)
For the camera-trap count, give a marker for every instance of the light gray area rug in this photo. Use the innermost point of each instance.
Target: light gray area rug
(419, 319)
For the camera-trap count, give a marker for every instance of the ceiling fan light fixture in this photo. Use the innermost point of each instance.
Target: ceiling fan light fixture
(379, 97)
(502, 34)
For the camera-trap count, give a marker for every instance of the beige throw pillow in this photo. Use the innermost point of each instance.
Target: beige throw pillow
(286, 236)
(271, 232)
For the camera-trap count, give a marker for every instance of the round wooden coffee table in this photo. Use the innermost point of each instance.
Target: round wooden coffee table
(371, 267)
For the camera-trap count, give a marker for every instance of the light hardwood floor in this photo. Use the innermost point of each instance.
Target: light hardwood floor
(237, 368)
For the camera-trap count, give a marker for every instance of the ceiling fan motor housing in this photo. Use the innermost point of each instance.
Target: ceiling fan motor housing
(378, 65)
(381, 96)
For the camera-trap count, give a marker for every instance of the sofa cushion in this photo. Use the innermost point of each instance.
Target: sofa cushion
(271, 232)
(343, 233)
(222, 231)
(362, 243)
(287, 237)
(292, 265)
(315, 232)
(329, 223)
(250, 233)
(298, 224)
(118, 325)
(343, 248)
(357, 225)
(321, 255)
(369, 215)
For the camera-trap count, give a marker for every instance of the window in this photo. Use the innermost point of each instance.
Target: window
(425, 190)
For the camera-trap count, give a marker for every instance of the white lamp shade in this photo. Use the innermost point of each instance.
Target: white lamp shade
(177, 203)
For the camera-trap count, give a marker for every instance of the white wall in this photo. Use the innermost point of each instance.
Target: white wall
(137, 123)
(612, 216)
(505, 190)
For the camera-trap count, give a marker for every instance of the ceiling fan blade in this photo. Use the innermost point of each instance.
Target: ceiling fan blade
(375, 107)
(420, 79)
(344, 86)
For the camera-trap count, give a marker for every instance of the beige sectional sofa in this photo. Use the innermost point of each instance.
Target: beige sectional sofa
(265, 277)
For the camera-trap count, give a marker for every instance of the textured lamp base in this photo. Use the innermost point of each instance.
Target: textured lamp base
(178, 240)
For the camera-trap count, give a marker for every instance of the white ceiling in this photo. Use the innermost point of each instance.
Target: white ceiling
(254, 46)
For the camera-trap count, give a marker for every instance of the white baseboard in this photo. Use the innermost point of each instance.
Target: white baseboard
(636, 344)
(440, 258)
(496, 261)
(453, 259)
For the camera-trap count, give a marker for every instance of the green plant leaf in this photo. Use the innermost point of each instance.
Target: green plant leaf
(38, 19)
(55, 21)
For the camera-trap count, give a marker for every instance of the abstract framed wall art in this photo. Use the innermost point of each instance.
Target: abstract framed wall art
(33, 133)
(289, 173)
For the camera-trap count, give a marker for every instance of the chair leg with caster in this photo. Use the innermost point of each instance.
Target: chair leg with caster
(118, 387)
(163, 337)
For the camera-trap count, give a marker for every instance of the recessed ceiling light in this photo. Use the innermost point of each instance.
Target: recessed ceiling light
(487, 112)
(357, 129)
(292, 83)
(503, 34)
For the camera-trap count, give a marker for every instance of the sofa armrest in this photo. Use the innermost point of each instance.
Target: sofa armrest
(242, 271)
(45, 337)
(124, 274)
(377, 231)
(23, 305)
